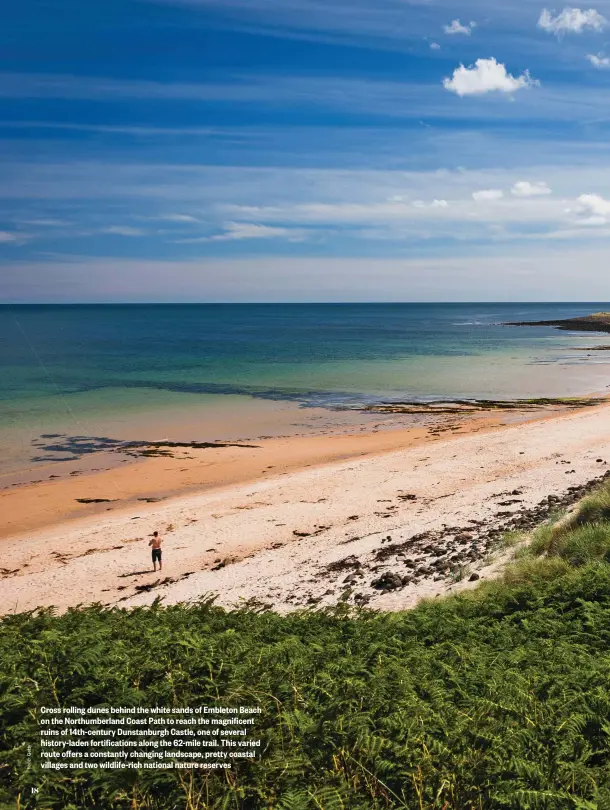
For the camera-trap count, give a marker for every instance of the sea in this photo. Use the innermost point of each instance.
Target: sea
(79, 369)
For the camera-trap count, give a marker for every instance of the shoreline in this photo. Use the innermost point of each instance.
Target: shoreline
(282, 534)
(115, 475)
(128, 483)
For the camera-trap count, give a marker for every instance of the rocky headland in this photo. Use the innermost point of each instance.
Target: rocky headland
(597, 322)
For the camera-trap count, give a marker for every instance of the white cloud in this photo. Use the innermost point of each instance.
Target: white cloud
(571, 20)
(456, 27)
(458, 217)
(236, 231)
(593, 221)
(245, 230)
(177, 218)
(593, 209)
(599, 61)
(7, 236)
(46, 223)
(434, 46)
(331, 207)
(434, 204)
(485, 76)
(526, 189)
(123, 230)
(487, 194)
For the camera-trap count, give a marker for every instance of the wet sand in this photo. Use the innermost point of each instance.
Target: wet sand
(124, 481)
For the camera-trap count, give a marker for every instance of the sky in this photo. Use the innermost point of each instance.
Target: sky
(304, 150)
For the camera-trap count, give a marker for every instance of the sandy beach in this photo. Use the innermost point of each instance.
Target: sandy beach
(377, 518)
(109, 480)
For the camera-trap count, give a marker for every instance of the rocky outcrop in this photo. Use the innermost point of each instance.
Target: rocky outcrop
(597, 322)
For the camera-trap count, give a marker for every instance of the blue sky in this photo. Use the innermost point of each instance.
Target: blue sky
(304, 150)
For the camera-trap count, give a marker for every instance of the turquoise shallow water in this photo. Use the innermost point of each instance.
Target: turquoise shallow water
(78, 362)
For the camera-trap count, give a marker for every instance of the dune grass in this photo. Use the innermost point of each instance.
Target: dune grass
(593, 509)
(495, 698)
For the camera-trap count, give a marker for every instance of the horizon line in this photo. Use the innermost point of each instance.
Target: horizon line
(8, 305)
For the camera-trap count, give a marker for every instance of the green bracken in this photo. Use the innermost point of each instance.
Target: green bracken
(496, 698)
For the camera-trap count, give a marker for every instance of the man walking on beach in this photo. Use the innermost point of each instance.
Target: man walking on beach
(155, 542)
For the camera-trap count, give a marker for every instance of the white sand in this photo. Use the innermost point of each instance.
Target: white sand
(251, 526)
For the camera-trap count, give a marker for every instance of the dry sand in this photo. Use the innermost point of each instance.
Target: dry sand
(395, 505)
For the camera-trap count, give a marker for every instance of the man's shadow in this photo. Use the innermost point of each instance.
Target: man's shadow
(135, 573)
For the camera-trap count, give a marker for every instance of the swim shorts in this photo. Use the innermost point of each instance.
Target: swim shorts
(156, 555)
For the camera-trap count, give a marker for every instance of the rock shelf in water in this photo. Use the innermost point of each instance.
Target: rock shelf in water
(479, 405)
(597, 322)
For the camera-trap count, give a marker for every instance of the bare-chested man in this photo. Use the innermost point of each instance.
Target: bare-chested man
(155, 542)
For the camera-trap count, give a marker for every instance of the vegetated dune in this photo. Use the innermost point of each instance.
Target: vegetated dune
(493, 698)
